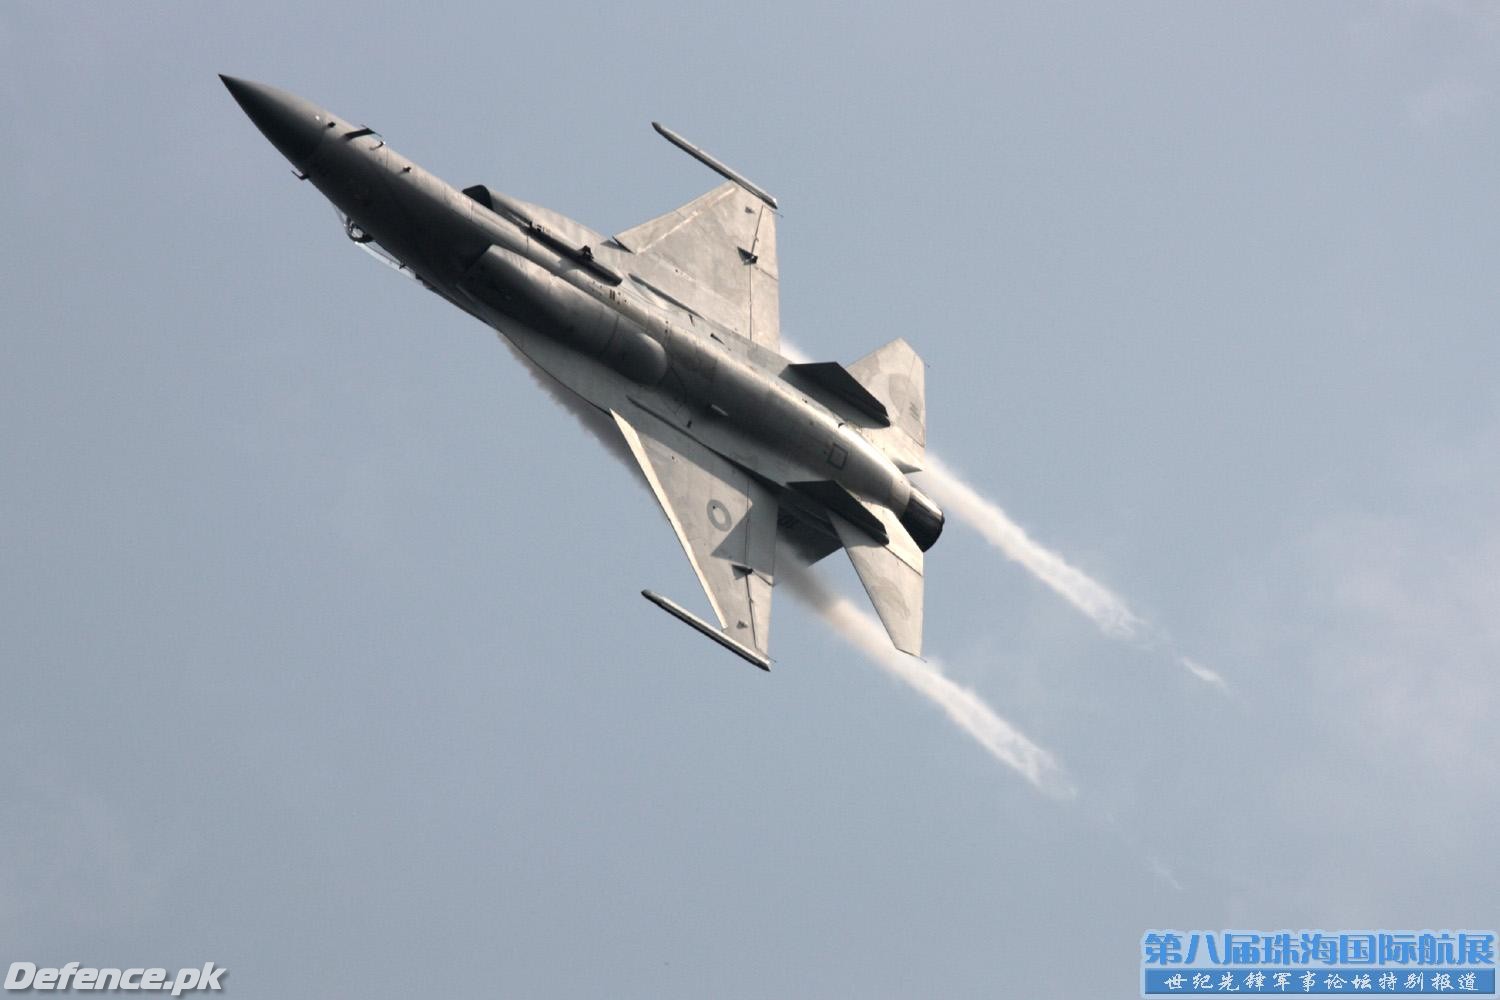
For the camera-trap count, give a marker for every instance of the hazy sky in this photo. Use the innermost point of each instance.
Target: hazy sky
(323, 656)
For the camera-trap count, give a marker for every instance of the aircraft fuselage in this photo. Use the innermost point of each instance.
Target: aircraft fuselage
(567, 298)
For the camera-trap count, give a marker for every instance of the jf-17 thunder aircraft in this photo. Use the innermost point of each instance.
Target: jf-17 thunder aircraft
(671, 331)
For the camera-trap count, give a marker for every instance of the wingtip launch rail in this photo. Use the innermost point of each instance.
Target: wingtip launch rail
(717, 166)
(682, 614)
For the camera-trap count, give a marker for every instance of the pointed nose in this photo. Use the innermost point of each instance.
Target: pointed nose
(294, 126)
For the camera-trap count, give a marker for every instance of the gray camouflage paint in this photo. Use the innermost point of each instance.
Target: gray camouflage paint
(652, 344)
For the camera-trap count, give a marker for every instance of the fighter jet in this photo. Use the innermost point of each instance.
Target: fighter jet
(671, 330)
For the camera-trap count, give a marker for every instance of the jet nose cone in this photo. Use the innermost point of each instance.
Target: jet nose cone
(293, 125)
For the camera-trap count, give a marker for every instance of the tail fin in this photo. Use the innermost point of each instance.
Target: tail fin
(895, 375)
(891, 571)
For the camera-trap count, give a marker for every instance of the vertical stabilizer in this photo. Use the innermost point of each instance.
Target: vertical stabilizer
(895, 375)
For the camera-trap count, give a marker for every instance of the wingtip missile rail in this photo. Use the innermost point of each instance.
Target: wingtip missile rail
(682, 614)
(717, 166)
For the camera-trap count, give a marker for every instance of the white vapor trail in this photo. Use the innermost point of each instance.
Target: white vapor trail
(1205, 674)
(589, 416)
(957, 497)
(1102, 606)
(1004, 742)
(968, 711)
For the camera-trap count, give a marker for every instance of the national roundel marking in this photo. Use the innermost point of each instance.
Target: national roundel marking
(718, 515)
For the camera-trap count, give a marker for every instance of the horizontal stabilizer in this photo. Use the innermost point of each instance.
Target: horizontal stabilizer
(892, 576)
(845, 504)
(834, 379)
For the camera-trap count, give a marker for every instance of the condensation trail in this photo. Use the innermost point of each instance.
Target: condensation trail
(1097, 601)
(967, 710)
(589, 416)
(1205, 674)
(1102, 606)
(957, 497)
(1106, 609)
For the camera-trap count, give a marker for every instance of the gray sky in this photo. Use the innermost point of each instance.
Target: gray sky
(323, 652)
